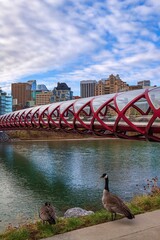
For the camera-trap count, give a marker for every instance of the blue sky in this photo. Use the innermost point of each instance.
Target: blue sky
(72, 40)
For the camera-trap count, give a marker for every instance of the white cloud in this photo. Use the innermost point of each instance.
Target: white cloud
(38, 40)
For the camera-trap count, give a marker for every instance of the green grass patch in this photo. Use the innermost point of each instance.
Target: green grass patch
(35, 231)
(147, 202)
(16, 234)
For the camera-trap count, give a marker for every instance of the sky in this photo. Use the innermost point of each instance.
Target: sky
(69, 41)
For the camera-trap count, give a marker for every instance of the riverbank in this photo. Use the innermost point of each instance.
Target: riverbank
(35, 231)
(28, 135)
(46, 135)
(144, 226)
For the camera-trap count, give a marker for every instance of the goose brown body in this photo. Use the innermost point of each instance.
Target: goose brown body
(47, 213)
(113, 203)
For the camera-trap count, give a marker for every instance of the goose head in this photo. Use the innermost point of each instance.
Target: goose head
(47, 204)
(104, 175)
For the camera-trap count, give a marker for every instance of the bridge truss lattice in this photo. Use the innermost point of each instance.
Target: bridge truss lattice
(130, 115)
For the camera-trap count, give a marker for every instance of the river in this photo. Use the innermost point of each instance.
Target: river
(67, 173)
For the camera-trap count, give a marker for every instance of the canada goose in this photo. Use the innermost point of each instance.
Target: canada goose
(155, 188)
(113, 203)
(47, 213)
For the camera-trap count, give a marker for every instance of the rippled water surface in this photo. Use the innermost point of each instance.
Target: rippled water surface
(67, 173)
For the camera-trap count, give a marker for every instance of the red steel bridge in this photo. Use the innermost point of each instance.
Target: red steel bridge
(130, 115)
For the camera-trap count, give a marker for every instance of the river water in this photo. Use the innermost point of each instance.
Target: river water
(67, 173)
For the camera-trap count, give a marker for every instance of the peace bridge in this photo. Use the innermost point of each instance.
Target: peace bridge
(130, 115)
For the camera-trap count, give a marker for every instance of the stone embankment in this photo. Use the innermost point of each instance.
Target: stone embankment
(4, 137)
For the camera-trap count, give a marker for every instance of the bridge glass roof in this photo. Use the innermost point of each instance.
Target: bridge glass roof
(125, 98)
(133, 114)
(154, 95)
(65, 105)
(100, 100)
(53, 106)
(81, 102)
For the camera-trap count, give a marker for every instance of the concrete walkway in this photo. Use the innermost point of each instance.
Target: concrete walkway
(144, 227)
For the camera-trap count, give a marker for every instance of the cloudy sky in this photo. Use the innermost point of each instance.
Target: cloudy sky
(72, 40)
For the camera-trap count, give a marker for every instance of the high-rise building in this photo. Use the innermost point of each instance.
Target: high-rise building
(33, 85)
(5, 103)
(21, 93)
(42, 87)
(87, 88)
(62, 93)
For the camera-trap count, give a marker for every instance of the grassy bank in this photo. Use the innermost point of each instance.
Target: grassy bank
(33, 231)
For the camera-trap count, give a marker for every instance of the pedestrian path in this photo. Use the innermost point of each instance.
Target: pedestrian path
(144, 227)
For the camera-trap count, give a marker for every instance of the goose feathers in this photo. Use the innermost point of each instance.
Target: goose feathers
(113, 203)
(47, 213)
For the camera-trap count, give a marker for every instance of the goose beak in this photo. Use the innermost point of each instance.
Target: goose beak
(104, 175)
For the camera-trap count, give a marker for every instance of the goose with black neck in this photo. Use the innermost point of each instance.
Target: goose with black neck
(113, 203)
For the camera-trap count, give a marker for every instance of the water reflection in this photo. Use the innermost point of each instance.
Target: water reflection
(67, 173)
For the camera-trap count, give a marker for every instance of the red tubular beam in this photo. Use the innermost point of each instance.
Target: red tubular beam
(128, 115)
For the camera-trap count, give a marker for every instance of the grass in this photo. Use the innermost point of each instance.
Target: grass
(18, 234)
(39, 230)
(35, 231)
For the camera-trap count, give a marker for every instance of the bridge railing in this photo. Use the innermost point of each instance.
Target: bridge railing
(131, 115)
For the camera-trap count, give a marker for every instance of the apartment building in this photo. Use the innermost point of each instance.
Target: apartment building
(43, 98)
(144, 83)
(111, 85)
(62, 93)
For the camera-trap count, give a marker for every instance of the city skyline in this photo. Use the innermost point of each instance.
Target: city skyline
(72, 41)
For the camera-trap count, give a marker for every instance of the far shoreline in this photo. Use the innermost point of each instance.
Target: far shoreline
(68, 139)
